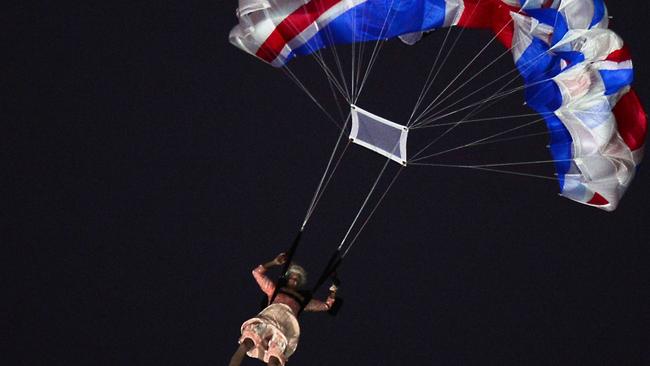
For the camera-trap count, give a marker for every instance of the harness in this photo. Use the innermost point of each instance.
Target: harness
(329, 272)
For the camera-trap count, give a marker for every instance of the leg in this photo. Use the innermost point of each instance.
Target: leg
(273, 361)
(238, 357)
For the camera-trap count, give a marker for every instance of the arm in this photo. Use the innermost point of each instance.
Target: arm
(318, 305)
(266, 285)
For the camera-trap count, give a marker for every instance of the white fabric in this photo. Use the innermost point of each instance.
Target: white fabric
(594, 44)
(511, 2)
(605, 163)
(259, 18)
(580, 13)
(274, 331)
(525, 29)
(248, 6)
(330, 15)
(379, 135)
(453, 12)
(533, 4)
(411, 38)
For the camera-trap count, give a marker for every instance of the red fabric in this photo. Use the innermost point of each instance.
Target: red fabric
(502, 18)
(478, 13)
(490, 14)
(620, 55)
(598, 200)
(292, 26)
(632, 120)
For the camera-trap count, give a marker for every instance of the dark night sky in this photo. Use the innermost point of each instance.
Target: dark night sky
(155, 165)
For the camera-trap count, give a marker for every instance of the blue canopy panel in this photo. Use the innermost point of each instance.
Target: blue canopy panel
(374, 20)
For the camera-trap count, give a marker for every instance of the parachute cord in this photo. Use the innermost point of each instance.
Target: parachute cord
(316, 197)
(336, 99)
(376, 51)
(439, 137)
(295, 79)
(357, 69)
(318, 57)
(519, 163)
(431, 105)
(442, 64)
(449, 95)
(488, 170)
(342, 88)
(479, 107)
(354, 48)
(424, 121)
(330, 75)
(498, 118)
(339, 66)
(429, 82)
(331, 175)
(479, 140)
(337, 59)
(496, 96)
(331, 85)
(362, 47)
(372, 212)
(436, 116)
(543, 133)
(383, 169)
(331, 78)
(332, 264)
(444, 61)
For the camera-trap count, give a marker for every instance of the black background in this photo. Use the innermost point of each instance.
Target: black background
(153, 166)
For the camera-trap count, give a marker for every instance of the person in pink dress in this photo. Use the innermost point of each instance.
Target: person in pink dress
(272, 336)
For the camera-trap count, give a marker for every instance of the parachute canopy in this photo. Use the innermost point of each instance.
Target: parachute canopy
(577, 72)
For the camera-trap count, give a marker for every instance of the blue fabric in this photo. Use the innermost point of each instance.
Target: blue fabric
(571, 57)
(373, 20)
(543, 95)
(599, 12)
(560, 146)
(536, 63)
(616, 79)
(553, 18)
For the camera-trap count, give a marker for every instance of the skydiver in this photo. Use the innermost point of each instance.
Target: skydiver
(272, 336)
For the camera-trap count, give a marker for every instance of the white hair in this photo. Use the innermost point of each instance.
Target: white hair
(302, 274)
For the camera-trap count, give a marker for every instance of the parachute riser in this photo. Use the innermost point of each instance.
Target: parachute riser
(329, 272)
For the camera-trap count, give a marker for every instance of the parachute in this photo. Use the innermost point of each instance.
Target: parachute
(577, 73)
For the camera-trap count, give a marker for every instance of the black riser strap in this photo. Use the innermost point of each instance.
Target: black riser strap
(285, 268)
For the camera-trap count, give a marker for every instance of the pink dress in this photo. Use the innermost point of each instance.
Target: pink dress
(275, 330)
